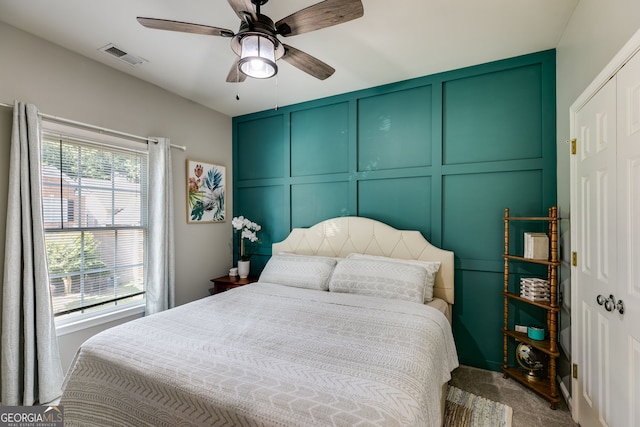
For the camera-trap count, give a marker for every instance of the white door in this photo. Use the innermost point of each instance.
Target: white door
(628, 243)
(593, 215)
(606, 217)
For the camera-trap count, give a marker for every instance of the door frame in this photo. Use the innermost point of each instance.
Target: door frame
(619, 60)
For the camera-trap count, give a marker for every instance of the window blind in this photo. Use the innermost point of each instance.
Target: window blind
(94, 205)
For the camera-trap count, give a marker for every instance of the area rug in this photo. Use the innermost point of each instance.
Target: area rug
(464, 409)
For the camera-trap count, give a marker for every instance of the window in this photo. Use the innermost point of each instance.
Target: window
(94, 201)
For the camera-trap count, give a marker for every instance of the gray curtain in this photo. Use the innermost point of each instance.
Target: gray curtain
(161, 254)
(30, 366)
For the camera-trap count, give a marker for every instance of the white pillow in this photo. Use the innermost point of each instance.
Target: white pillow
(338, 259)
(379, 278)
(300, 271)
(432, 268)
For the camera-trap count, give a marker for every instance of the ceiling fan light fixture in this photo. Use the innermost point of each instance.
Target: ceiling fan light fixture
(258, 56)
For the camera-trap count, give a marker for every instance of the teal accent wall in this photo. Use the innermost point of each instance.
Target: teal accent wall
(443, 154)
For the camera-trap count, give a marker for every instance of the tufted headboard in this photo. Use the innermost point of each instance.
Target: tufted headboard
(338, 237)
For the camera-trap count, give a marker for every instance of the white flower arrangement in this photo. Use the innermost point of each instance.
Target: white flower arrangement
(248, 230)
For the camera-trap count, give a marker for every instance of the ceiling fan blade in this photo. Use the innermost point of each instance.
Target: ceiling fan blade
(320, 15)
(184, 27)
(242, 7)
(307, 63)
(235, 75)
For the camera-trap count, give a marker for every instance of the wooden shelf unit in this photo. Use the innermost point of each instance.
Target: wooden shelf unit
(545, 386)
(541, 304)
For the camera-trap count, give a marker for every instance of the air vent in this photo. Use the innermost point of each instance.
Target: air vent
(121, 55)
(115, 51)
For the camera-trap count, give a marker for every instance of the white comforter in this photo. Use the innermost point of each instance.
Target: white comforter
(267, 355)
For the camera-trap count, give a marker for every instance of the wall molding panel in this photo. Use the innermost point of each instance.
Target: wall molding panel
(443, 154)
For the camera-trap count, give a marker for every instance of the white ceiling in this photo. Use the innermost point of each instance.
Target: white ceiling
(393, 41)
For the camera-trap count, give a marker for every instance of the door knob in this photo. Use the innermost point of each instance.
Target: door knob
(610, 303)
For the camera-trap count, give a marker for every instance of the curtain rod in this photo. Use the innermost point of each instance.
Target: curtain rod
(99, 128)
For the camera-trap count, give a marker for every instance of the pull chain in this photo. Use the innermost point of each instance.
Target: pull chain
(237, 83)
(277, 93)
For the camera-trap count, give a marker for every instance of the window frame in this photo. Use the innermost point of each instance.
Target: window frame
(71, 323)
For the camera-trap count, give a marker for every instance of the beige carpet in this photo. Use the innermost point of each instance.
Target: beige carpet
(464, 409)
(529, 409)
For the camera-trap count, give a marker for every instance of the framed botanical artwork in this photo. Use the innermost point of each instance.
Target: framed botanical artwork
(205, 192)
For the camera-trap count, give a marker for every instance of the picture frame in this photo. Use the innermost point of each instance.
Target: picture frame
(206, 192)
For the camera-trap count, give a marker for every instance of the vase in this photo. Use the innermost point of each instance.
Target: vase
(243, 269)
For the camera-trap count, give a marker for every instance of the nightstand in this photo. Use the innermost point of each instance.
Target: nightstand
(225, 283)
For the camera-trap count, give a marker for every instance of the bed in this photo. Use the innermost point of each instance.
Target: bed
(337, 331)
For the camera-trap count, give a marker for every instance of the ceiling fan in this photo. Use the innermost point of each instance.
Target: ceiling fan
(256, 42)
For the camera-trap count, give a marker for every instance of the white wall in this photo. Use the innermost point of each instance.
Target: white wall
(64, 84)
(596, 31)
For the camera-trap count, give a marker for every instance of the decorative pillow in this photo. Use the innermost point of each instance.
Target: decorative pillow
(432, 268)
(379, 278)
(300, 271)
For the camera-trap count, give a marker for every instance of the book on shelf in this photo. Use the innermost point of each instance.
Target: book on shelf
(540, 293)
(535, 298)
(534, 282)
(536, 246)
(535, 289)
